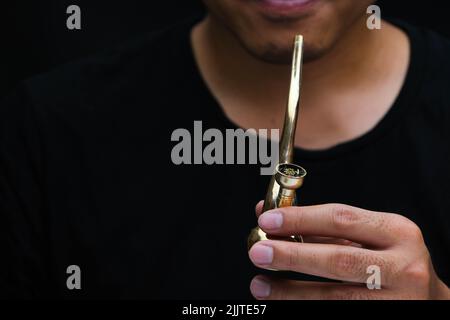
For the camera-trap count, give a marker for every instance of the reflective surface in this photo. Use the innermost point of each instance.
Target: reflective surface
(288, 175)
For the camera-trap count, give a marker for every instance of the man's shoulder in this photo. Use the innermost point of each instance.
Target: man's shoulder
(429, 71)
(149, 57)
(429, 48)
(436, 72)
(438, 51)
(434, 49)
(433, 94)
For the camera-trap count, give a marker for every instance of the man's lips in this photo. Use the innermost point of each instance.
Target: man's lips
(286, 3)
(285, 8)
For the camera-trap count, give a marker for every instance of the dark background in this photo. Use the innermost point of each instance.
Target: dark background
(35, 37)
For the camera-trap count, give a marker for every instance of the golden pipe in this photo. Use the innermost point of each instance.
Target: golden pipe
(288, 177)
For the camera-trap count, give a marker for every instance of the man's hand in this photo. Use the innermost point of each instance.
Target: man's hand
(354, 239)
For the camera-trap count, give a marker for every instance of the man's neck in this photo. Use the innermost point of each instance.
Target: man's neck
(246, 86)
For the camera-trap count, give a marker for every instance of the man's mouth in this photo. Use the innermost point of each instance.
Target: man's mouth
(286, 8)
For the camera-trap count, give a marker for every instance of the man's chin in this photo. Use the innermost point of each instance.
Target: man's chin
(273, 57)
(282, 56)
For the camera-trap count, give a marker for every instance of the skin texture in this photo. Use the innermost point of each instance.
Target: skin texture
(351, 77)
(389, 241)
(345, 92)
(269, 36)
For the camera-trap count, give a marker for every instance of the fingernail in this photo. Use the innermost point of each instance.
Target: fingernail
(261, 254)
(271, 220)
(260, 288)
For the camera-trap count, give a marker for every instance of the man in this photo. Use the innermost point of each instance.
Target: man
(87, 178)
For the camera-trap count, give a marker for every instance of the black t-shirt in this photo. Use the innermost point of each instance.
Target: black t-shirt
(87, 178)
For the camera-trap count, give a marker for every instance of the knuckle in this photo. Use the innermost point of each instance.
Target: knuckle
(381, 221)
(278, 292)
(293, 258)
(343, 217)
(281, 289)
(344, 263)
(414, 232)
(418, 274)
(408, 229)
(388, 268)
(298, 222)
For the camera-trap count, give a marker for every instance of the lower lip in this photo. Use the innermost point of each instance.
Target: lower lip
(286, 7)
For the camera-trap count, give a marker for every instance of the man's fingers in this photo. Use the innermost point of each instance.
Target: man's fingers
(264, 288)
(376, 229)
(259, 207)
(329, 240)
(330, 261)
(310, 238)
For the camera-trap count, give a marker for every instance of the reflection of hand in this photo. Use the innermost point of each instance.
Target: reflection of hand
(354, 239)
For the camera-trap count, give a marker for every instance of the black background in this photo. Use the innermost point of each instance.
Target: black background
(36, 39)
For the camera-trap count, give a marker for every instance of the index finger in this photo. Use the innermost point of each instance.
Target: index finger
(332, 220)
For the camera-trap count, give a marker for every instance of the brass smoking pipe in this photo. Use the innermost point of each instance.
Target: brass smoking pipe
(288, 177)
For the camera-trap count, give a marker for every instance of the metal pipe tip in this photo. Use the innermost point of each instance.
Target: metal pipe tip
(289, 175)
(291, 170)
